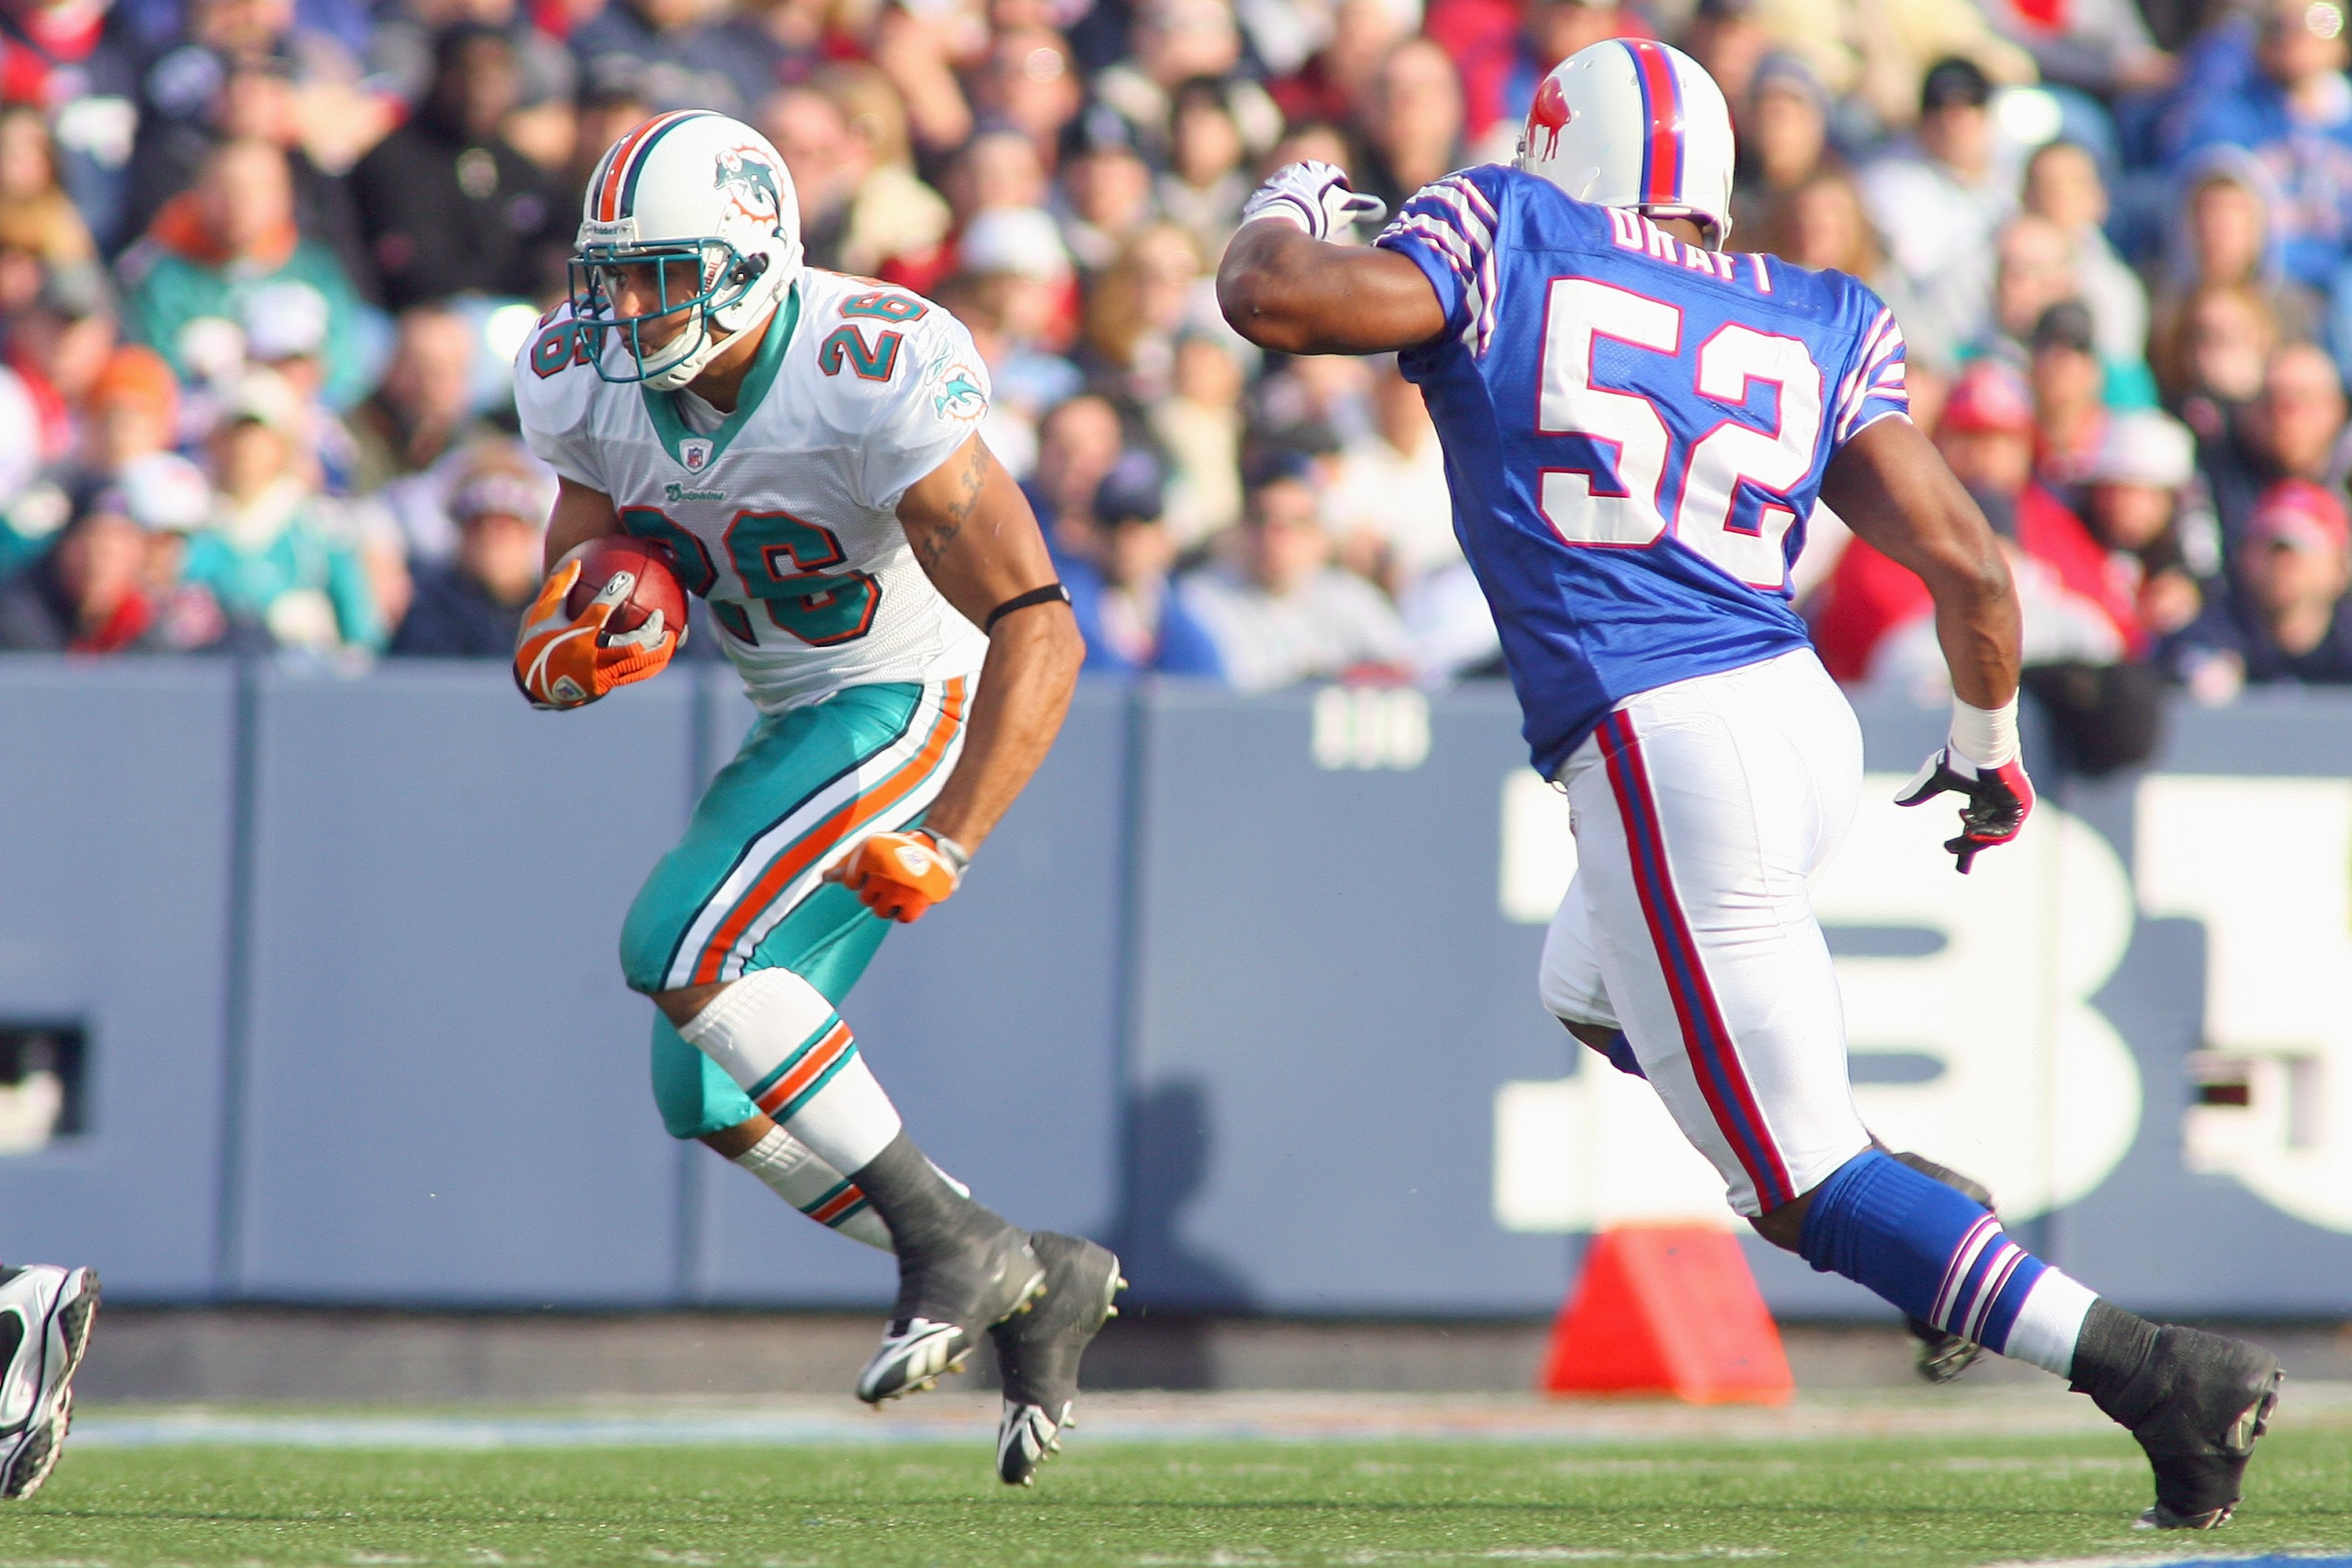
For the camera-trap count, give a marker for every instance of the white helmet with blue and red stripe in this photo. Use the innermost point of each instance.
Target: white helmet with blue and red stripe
(1631, 122)
(707, 200)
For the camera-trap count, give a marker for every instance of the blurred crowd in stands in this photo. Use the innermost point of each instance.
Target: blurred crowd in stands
(263, 264)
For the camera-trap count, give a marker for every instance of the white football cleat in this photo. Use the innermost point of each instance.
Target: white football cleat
(45, 1314)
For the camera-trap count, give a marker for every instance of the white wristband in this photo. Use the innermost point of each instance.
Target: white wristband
(1985, 736)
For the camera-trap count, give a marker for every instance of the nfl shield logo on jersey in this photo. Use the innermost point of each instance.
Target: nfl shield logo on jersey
(695, 455)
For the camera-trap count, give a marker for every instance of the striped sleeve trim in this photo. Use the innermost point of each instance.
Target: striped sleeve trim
(1874, 387)
(1457, 221)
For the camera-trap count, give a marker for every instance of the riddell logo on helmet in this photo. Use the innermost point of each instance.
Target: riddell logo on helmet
(1549, 115)
(749, 182)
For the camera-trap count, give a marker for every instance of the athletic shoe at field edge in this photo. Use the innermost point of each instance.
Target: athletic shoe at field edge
(991, 1274)
(1040, 1350)
(46, 1313)
(2197, 1407)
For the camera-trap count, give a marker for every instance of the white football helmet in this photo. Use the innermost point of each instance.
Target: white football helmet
(1630, 123)
(709, 196)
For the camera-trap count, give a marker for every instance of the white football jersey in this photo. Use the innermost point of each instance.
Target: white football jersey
(783, 514)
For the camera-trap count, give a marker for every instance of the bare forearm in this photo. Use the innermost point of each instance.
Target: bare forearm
(1979, 627)
(1285, 291)
(1024, 691)
(579, 515)
(1894, 492)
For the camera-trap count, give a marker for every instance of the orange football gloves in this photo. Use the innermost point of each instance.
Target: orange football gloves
(900, 875)
(566, 661)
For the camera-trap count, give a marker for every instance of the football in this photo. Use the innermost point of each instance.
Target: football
(654, 586)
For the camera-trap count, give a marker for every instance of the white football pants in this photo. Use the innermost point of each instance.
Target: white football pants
(1700, 809)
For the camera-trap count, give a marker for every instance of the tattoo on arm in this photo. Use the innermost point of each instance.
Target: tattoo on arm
(969, 484)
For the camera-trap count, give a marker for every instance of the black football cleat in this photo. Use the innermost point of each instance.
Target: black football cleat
(1039, 1351)
(948, 1296)
(2196, 1402)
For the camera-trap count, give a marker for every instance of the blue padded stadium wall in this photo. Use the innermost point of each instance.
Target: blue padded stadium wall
(1246, 985)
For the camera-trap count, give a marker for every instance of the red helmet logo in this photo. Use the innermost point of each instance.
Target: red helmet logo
(1549, 115)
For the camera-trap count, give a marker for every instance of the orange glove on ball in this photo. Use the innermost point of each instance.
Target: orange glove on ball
(566, 661)
(900, 875)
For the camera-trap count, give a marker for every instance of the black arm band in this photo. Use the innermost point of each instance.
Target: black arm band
(1051, 594)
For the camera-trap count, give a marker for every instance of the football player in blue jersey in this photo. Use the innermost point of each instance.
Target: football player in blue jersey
(1636, 424)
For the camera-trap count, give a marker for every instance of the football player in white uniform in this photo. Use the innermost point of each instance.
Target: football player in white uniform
(807, 446)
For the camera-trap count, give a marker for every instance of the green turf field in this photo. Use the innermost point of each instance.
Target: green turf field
(1156, 1505)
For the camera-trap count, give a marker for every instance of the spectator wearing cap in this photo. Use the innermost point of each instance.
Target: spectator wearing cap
(267, 552)
(2063, 185)
(448, 207)
(471, 605)
(1409, 124)
(2286, 622)
(2293, 113)
(83, 594)
(1783, 143)
(2293, 429)
(233, 234)
(58, 347)
(1389, 504)
(1281, 613)
(1872, 621)
(1119, 590)
(286, 332)
(130, 438)
(2070, 407)
(2146, 506)
(1103, 190)
(1940, 202)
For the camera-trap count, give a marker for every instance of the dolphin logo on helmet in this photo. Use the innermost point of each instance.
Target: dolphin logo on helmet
(750, 179)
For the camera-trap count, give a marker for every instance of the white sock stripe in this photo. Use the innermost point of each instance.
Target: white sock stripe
(1997, 1277)
(1964, 1258)
(2049, 1321)
(764, 850)
(757, 1023)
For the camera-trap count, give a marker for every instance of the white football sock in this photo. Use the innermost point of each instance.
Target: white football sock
(796, 1174)
(775, 1035)
(2049, 1323)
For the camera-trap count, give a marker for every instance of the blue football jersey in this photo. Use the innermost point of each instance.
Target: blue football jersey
(1635, 431)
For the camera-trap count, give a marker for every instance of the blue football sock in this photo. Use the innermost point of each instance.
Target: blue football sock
(1940, 1256)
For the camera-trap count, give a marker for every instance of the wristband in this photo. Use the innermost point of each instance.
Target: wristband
(957, 859)
(1985, 736)
(1051, 594)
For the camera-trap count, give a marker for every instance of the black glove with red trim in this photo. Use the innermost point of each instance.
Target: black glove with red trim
(1998, 800)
